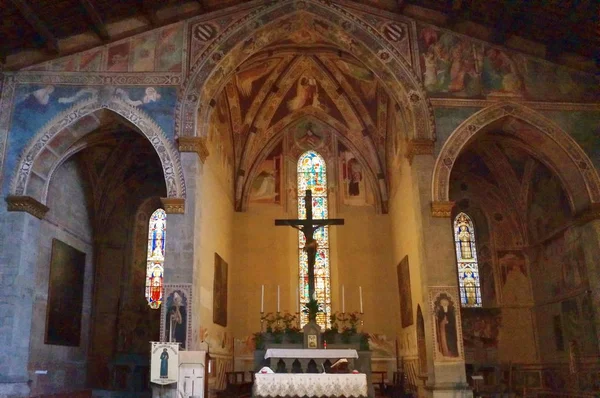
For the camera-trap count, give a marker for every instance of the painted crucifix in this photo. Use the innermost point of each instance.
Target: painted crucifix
(308, 227)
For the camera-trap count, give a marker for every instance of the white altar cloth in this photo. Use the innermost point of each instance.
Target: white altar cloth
(309, 353)
(310, 385)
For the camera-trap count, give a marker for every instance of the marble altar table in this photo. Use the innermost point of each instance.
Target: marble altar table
(304, 356)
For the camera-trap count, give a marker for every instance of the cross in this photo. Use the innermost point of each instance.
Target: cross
(308, 228)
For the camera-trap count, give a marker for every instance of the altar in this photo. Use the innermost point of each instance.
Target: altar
(304, 356)
(310, 385)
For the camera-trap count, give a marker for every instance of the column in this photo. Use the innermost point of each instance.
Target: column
(19, 236)
(446, 373)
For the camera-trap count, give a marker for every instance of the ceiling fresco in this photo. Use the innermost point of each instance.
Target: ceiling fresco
(297, 83)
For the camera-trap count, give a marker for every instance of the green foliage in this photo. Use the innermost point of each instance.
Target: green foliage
(312, 308)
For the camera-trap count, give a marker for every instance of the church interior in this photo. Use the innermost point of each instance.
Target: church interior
(452, 153)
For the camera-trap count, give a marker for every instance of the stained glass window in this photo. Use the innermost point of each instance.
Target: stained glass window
(155, 260)
(312, 174)
(466, 258)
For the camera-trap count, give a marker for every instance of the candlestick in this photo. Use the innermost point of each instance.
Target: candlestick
(277, 298)
(343, 300)
(262, 299)
(360, 296)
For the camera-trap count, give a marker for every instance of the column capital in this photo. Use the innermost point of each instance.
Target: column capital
(442, 209)
(173, 205)
(194, 144)
(590, 214)
(28, 205)
(418, 146)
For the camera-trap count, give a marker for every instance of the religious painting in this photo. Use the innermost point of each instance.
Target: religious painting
(502, 73)
(65, 295)
(516, 288)
(220, 292)
(308, 135)
(266, 187)
(176, 314)
(449, 63)
(118, 58)
(164, 363)
(481, 328)
(446, 324)
(466, 259)
(406, 311)
(143, 53)
(549, 207)
(169, 49)
(352, 178)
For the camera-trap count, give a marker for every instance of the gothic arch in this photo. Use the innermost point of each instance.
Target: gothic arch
(217, 63)
(579, 176)
(73, 124)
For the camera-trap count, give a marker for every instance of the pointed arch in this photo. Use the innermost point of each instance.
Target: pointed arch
(577, 173)
(68, 128)
(466, 261)
(311, 171)
(259, 29)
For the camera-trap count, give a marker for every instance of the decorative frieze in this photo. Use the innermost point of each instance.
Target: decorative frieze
(194, 144)
(442, 209)
(28, 205)
(173, 205)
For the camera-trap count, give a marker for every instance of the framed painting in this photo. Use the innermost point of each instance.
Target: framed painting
(65, 295)
(406, 311)
(220, 292)
(176, 314)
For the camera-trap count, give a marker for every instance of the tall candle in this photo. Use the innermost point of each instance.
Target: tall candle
(297, 305)
(262, 298)
(277, 298)
(360, 296)
(343, 300)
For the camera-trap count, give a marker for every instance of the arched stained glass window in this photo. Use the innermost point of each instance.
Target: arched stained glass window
(312, 174)
(155, 260)
(466, 258)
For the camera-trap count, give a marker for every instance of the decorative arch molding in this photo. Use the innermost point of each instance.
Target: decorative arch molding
(462, 136)
(250, 34)
(34, 170)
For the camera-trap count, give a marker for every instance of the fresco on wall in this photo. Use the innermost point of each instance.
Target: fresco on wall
(454, 65)
(578, 325)
(352, 178)
(220, 141)
(447, 324)
(481, 328)
(548, 205)
(446, 121)
(584, 127)
(158, 51)
(516, 288)
(36, 105)
(267, 185)
(488, 283)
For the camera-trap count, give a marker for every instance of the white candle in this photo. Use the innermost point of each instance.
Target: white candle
(360, 296)
(343, 300)
(297, 299)
(262, 298)
(277, 298)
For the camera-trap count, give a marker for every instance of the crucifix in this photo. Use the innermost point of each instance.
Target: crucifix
(308, 228)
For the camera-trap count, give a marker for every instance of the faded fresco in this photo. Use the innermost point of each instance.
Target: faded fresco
(516, 287)
(454, 65)
(353, 181)
(481, 329)
(36, 105)
(267, 185)
(160, 50)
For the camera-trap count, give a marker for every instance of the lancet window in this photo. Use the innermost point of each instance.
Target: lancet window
(155, 260)
(466, 258)
(312, 174)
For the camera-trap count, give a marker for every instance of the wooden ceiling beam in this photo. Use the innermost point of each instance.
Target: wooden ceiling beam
(38, 25)
(96, 19)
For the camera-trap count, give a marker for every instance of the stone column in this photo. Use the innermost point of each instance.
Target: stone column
(446, 375)
(19, 237)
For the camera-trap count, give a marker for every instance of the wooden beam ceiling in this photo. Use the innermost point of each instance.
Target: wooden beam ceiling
(38, 25)
(95, 19)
